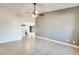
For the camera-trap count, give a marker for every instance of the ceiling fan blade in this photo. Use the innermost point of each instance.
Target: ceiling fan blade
(41, 14)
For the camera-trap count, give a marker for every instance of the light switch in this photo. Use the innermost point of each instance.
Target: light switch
(67, 40)
(73, 41)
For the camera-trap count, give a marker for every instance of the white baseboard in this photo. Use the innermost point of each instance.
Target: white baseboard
(75, 46)
(8, 41)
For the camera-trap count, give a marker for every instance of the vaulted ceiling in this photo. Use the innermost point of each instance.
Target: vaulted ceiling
(24, 10)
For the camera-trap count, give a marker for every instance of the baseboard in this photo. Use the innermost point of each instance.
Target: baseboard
(8, 41)
(75, 46)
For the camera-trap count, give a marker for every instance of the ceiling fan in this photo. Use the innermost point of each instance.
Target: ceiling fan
(33, 14)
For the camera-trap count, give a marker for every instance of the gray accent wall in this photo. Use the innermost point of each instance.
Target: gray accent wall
(61, 25)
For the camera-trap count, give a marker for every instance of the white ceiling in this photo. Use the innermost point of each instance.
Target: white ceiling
(24, 10)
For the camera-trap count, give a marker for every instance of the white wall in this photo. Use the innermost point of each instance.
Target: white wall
(61, 25)
(10, 30)
(10, 27)
(10, 24)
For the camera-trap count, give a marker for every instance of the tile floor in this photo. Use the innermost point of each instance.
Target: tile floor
(35, 46)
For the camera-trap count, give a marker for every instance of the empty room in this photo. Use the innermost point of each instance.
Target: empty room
(39, 28)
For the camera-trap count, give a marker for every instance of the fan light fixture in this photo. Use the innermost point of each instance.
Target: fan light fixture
(35, 13)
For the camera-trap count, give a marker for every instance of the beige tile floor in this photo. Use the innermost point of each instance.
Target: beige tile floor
(34, 46)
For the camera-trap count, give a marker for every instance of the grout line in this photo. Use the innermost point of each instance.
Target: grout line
(58, 42)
